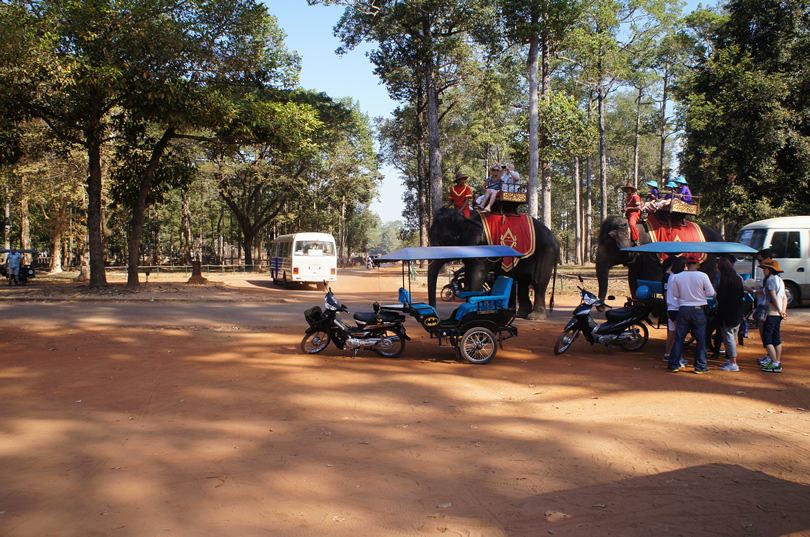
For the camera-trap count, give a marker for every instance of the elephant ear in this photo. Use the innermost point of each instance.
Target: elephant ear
(450, 228)
(614, 231)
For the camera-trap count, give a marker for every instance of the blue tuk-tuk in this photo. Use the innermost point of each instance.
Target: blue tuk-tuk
(478, 326)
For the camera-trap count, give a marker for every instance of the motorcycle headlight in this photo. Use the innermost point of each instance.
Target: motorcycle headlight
(331, 302)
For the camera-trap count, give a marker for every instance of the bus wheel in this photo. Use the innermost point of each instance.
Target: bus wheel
(284, 283)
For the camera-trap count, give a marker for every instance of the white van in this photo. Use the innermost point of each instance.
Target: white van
(303, 257)
(789, 240)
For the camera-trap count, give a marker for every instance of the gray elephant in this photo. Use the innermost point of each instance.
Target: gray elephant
(614, 235)
(451, 228)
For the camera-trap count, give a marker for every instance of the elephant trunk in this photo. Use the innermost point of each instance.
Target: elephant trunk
(434, 267)
(603, 265)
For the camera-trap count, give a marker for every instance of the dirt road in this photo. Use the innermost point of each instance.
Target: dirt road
(191, 412)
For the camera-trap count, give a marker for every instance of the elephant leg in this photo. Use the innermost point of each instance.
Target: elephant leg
(524, 301)
(538, 313)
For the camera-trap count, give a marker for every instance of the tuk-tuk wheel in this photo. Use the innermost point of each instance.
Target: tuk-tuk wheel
(478, 345)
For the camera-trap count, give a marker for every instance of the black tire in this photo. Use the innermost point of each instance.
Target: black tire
(394, 345)
(793, 296)
(448, 293)
(478, 345)
(566, 340)
(315, 342)
(284, 283)
(638, 337)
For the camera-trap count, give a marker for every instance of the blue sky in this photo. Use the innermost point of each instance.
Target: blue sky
(309, 32)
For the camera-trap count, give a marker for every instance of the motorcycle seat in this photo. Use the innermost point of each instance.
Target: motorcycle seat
(619, 314)
(377, 318)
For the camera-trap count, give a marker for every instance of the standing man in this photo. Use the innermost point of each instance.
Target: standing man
(632, 210)
(14, 261)
(692, 289)
(461, 195)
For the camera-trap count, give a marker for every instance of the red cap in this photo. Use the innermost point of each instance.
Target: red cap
(693, 258)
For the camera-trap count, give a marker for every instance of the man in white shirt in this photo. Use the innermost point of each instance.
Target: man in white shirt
(692, 289)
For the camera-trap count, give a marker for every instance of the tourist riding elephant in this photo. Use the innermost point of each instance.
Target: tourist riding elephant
(450, 228)
(614, 235)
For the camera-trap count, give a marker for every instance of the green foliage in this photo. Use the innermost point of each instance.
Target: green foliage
(565, 127)
(385, 238)
(746, 114)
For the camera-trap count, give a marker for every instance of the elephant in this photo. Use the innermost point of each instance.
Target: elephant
(451, 228)
(614, 235)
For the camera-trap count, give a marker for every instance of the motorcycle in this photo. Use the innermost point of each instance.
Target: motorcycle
(623, 327)
(381, 331)
(458, 284)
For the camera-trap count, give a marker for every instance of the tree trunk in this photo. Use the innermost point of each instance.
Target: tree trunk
(7, 227)
(421, 176)
(56, 237)
(637, 135)
(663, 131)
(533, 66)
(588, 212)
(434, 151)
(187, 237)
(601, 96)
(139, 209)
(249, 236)
(97, 276)
(25, 221)
(578, 214)
(545, 165)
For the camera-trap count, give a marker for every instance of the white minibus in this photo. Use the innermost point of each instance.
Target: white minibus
(303, 257)
(789, 240)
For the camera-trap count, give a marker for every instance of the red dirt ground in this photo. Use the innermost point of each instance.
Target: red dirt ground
(201, 431)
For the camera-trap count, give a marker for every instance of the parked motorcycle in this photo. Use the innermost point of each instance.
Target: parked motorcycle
(380, 331)
(623, 327)
(458, 284)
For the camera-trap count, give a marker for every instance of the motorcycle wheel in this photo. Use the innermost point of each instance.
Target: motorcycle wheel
(566, 340)
(637, 340)
(315, 342)
(448, 293)
(393, 343)
(478, 345)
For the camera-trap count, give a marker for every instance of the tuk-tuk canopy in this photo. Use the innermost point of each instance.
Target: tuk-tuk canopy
(449, 252)
(678, 247)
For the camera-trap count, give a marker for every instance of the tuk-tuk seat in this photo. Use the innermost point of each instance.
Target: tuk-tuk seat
(498, 298)
(656, 288)
(420, 307)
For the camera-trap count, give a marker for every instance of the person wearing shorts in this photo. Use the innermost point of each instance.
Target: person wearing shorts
(493, 187)
(14, 262)
(774, 289)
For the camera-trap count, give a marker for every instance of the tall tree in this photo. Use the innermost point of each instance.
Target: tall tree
(543, 25)
(89, 68)
(422, 33)
(746, 111)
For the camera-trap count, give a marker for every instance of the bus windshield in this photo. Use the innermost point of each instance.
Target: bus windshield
(753, 238)
(314, 248)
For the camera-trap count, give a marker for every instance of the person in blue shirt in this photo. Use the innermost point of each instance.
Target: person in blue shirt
(685, 193)
(653, 194)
